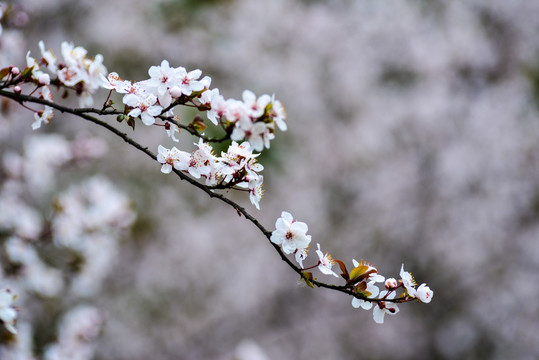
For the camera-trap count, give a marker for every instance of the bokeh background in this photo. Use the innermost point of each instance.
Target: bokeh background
(413, 138)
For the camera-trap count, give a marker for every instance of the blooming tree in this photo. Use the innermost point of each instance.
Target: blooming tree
(248, 126)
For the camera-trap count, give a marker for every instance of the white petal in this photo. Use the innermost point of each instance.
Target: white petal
(378, 315)
(166, 168)
(147, 119)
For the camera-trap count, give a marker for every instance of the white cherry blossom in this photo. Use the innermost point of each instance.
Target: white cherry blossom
(188, 81)
(424, 293)
(290, 234)
(278, 114)
(256, 192)
(111, 81)
(144, 106)
(255, 106)
(44, 116)
(408, 282)
(325, 262)
(167, 157)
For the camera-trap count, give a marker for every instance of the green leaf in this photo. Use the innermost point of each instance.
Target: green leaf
(131, 122)
(308, 278)
(27, 72)
(357, 272)
(198, 124)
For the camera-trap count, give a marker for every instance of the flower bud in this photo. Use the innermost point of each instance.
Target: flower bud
(15, 71)
(17, 90)
(175, 92)
(44, 79)
(391, 284)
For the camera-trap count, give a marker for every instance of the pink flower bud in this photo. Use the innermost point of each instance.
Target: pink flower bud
(391, 284)
(175, 92)
(15, 71)
(17, 90)
(44, 79)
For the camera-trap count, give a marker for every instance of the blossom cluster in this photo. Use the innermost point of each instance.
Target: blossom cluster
(235, 167)
(253, 119)
(77, 70)
(77, 331)
(291, 236)
(89, 220)
(61, 257)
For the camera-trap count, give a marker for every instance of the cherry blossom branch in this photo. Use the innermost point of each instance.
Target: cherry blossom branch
(253, 120)
(83, 113)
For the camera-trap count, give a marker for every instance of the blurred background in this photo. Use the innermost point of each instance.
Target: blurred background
(413, 138)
